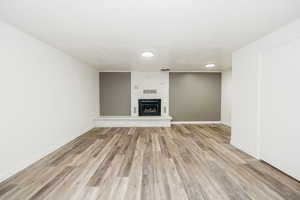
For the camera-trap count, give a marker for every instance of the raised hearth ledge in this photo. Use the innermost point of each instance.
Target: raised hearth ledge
(133, 121)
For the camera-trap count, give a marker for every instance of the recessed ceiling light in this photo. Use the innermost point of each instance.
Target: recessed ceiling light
(210, 65)
(165, 69)
(147, 54)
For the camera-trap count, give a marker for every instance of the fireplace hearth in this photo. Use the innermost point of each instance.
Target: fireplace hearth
(149, 107)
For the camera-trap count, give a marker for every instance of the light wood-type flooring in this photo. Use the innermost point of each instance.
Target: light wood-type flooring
(182, 162)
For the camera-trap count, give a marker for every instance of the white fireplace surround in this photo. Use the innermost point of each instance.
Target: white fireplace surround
(144, 85)
(150, 85)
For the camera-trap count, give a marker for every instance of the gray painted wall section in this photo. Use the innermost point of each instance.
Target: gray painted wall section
(115, 95)
(195, 96)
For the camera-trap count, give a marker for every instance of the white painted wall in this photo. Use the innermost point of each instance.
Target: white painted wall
(226, 97)
(47, 99)
(244, 124)
(272, 65)
(158, 81)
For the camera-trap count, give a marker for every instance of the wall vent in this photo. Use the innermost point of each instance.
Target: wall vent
(149, 91)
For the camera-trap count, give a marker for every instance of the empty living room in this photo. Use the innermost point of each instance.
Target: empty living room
(149, 100)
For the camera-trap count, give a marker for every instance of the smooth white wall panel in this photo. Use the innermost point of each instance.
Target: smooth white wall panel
(266, 99)
(280, 98)
(245, 100)
(47, 99)
(226, 97)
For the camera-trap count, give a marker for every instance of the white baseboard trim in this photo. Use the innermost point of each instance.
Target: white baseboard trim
(196, 122)
(238, 146)
(26, 163)
(226, 123)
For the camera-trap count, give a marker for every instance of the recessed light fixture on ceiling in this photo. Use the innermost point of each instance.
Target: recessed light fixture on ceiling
(147, 54)
(165, 69)
(211, 65)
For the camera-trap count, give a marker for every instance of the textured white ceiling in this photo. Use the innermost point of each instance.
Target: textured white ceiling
(183, 34)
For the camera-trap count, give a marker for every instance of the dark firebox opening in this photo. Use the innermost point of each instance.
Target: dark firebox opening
(149, 107)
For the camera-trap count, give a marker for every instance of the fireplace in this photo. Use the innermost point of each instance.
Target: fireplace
(149, 107)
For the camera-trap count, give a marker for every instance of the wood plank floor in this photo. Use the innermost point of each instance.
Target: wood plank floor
(182, 162)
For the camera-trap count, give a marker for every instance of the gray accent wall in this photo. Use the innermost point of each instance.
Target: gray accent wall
(115, 93)
(195, 96)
